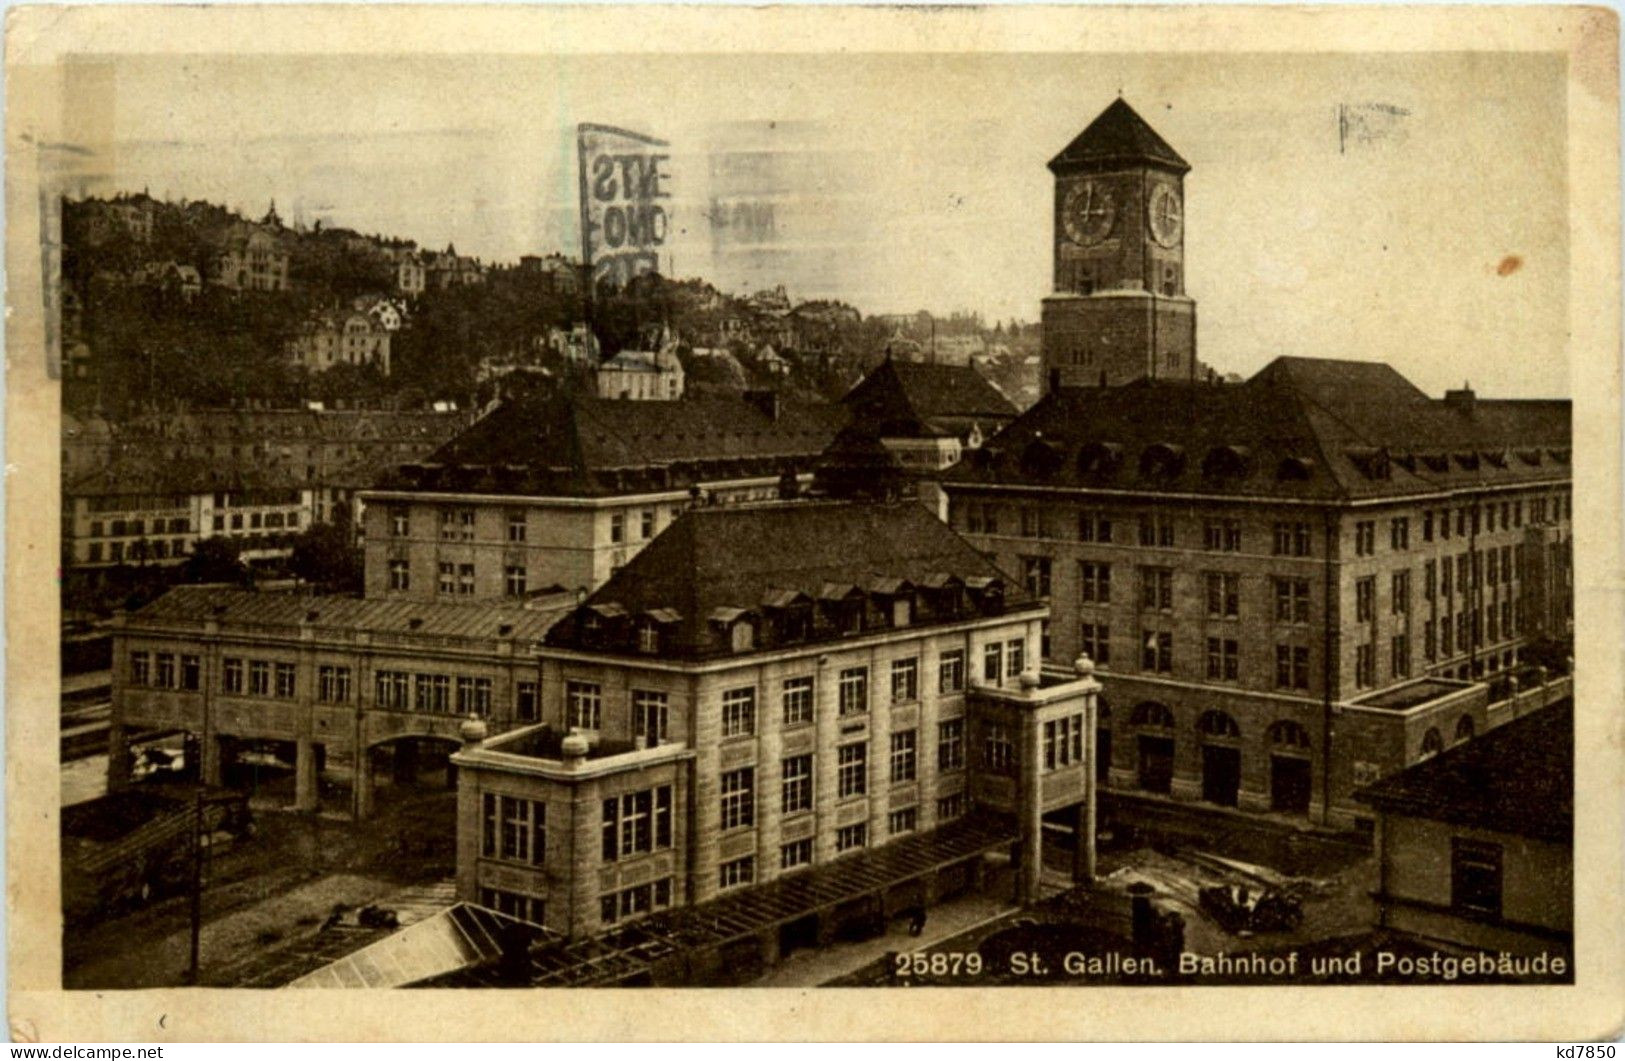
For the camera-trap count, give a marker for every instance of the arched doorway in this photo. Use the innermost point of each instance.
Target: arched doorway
(1290, 768)
(1221, 758)
(1154, 740)
(1432, 744)
(1464, 729)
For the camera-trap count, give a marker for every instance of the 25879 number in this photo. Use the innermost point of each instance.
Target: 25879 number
(939, 963)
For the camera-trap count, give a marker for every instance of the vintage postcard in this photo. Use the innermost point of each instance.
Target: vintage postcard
(869, 523)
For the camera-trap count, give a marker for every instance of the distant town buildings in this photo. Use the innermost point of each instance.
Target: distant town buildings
(653, 374)
(252, 259)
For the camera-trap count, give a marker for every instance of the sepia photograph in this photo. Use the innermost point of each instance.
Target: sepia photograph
(660, 499)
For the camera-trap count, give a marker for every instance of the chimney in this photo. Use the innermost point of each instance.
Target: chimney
(767, 401)
(1461, 400)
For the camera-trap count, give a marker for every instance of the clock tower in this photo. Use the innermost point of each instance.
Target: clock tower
(1119, 311)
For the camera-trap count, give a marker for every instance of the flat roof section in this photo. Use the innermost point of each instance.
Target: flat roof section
(1412, 694)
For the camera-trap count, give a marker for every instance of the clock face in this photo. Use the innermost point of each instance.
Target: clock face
(1165, 215)
(1088, 212)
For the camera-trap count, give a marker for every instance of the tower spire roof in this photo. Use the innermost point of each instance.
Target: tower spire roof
(1118, 135)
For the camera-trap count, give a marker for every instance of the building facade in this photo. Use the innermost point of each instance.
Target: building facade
(762, 692)
(340, 685)
(554, 492)
(1476, 847)
(1290, 580)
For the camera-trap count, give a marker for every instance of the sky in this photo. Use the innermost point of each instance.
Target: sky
(1434, 237)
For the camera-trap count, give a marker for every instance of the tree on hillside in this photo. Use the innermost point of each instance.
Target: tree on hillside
(326, 554)
(215, 560)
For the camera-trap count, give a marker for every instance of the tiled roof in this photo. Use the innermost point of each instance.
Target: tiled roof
(579, 446)
(911, 399)
(1302, 428)
(1517, 778)
(738, 557)
(1118, 135)
(245, 607)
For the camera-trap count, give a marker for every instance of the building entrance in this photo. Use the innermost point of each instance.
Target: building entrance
(1289, 784)
(1221, 774)
(1156, 764)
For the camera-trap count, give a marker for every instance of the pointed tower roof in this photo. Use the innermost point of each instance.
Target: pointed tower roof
(1118, 136)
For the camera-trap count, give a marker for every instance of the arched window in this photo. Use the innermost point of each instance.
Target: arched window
(1152, 714)
(1217, 724)
(1288, 734)
(1464, 728)
(1432, 744)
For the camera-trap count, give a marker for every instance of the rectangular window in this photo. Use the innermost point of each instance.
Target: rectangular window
(853, 691)
(166, 670)
(798, 701)
(617, 527)
(795, 854)
(400, 575)
(1221, 535)
(1094, 528)
(1157, 651)
(333, 684)
(1447, 637)
(636, 823)
(1446, 577)
(474, 696)
(1223, 595)
(1365, 597)
(951, 671)
(448, 579)
(1222, 659)
(1156, 531)
(902, 821)
(852, 770)
(1291, 667)
(1015, 657)
(465, 580)
(1291, 539)
(902, 756)
(905, 680)
(1430, 642)
(951, 744)
(584, 705)
(1400, 656)
(516, 526)
(646, 523)
(650, 715)
(1475, 877)
(998, 748)
(1400, 590)
(1096, 641)
(738, 798)
(992, 663)
(1032, 522)
(519, 827)
(1156, 589)
(1427, 526)
(259, 677)
(950, 807)
(1399, 533)
(285, 680)
(1365, 537)
(526, 705)
(737, 873)
(1364, 670)
(798, 783)
(1035, 575)
(851, 837)
(1430, 580)
(191, 673)
(141, 668)
(1095, 582)
(1291, 600)
(739, 712)
(514, 581)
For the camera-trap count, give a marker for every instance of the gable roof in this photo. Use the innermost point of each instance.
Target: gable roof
(583, 446)
(907, 398)
(1302, 428)
(739, 557)
(1517, 778)
(1118, 135)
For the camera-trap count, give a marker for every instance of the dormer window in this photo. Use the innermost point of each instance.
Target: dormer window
(902, 611)
(743, 637)
(649, 638)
